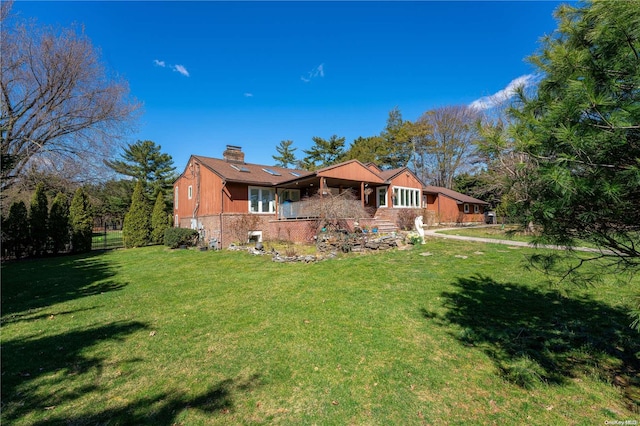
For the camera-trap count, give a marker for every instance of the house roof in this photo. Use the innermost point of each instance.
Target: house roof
(351, 165)
(452, 194)
(391, 173)
(259, 174)
(371, 165)
(248, 172)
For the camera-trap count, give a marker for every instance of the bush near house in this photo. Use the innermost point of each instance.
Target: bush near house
(176, 237)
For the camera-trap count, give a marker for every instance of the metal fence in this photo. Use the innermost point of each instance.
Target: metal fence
(107, 238)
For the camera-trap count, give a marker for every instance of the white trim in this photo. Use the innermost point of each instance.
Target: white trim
(190, 192)
(386, 196)
(476, 208)
(255, 234)
(264, 195)
(175, 198)
(465, 207)
(407, 198)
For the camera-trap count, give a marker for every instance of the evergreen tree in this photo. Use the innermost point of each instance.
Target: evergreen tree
(366, 150)
(137, 222)
(38, 218)
(287, 157)
(581, 133)
(324, 152)
(160, 220)
(398, 137)
(16, 230)
(145, 162)
(59, 224)
(111, 199)
(81, 222)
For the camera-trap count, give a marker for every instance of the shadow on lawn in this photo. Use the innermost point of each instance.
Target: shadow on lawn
(535, 336)
(28, 286)
(165, 409)
(54, 361)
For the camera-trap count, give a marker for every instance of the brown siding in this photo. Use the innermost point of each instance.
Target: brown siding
(206, 188)
(447, 210)
(236, 198)
(407, 180)
(183, 206)
(351, 171)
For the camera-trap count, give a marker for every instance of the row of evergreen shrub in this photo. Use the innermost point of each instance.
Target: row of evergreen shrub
(39, 230)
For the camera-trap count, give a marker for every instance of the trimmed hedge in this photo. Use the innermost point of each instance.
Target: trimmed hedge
(176, 237)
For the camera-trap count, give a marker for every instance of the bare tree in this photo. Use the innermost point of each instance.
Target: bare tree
(58, 104)
(333, 210)
(447, 147)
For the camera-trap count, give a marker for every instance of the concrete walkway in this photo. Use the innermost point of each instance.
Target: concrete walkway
(436, 233)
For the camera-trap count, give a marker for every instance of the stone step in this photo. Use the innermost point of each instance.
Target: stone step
(385, 226)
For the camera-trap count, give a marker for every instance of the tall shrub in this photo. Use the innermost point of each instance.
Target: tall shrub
(160, 220)
(59, 224)
(38, 218)
(16, 230)
(137, 222)
(81, 221)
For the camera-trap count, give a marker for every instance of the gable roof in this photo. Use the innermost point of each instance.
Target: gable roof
(249, 173)
(452, 194)
(350, 165)
(390, 174)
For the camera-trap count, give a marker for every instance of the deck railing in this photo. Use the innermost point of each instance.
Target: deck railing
(315, 208)
(297, 210)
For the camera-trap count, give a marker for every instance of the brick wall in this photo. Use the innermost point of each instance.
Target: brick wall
(295, 230)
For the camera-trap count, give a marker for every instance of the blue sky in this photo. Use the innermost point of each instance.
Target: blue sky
(256, 73)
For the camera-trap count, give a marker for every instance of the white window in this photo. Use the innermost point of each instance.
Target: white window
(476, 208)
(466, 208)
(176, 222)
(190, 192)
(175, 199)
(262, 200)
(406, 197)
(381, 195)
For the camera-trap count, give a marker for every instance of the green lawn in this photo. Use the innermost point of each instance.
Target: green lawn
(160, 337)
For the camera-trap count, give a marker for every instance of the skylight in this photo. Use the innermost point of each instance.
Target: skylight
(240, 169)
(272, 172)
(295, 174)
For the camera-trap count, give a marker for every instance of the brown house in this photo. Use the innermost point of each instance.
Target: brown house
(229, 200)
(451, 207)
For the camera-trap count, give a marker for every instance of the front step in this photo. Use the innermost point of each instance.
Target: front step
(384, 226)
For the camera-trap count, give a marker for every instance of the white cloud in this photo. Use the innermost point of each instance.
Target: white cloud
(181, 69)
(488, 102)
(177, 68)
(314, 73)
(248, 95)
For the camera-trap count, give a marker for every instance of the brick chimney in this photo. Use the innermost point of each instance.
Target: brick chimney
(233, 154)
